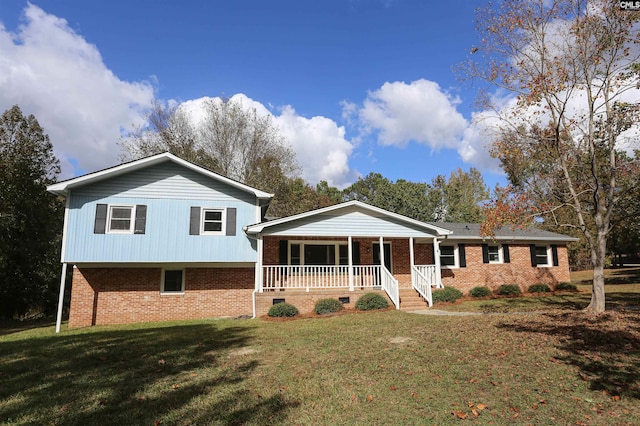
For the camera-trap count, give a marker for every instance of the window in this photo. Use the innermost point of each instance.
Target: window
(321, 253)
(494, 254)
(213, 221)
(542, 256)
(172, 281)
(447, 256)
(121, 219)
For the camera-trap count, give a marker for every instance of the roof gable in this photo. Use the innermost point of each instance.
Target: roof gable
(63, 188)
(336, 218)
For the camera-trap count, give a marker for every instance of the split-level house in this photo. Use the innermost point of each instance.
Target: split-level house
(163, 239)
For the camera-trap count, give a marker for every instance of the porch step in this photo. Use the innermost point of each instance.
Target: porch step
(410, 300)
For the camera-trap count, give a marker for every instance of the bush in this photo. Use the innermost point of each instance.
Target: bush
(566, 287)
(327, 306)
(447, 294)
(480, 292)
(508, 290)
(283, 310)
(371, 301)
(539, 288)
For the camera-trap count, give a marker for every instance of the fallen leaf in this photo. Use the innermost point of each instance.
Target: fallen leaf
(161, 361)
(369, 398)
(475, 412)
(354, 397)
(481, 406)
(460, 414)
(616, 397)
(175, 386)
(392, 387)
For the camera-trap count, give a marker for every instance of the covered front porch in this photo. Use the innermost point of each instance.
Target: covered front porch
(350, 264)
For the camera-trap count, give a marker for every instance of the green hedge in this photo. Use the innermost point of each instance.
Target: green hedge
(283, 310)
(566, 287)
(447, 294)
(371, 301)
(508, 290)
(480, 292)
(327, 306)
(539, 288)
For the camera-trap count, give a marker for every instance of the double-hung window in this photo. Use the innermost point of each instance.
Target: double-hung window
(448, 256)
(542, 256)
(494, 254)
(121, 219)
(213, 221)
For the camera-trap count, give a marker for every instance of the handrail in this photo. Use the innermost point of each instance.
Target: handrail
(390, 285)
(430, 273)
(422, 285)
(308, 277)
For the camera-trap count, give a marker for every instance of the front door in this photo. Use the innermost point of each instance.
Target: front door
(387, 255)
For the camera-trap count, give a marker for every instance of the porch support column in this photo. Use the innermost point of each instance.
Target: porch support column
(258, 272)
(382, 252)
(411, 260)
(436, 258)
(63, 278)
(350, 251)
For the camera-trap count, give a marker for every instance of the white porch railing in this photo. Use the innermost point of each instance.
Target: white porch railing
(422, 285)
(430, 274)
(390, 285)
(308, 277)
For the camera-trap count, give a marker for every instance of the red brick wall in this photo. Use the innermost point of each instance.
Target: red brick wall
(305, 302)
(129, 295)
(519, 271)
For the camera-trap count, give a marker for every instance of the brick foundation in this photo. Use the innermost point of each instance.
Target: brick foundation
(305, 301)
(131, 295)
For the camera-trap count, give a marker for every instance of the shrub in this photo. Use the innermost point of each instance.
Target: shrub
(508, 290)
(480, 292)
(371, 301)
(447, 294)
(566, 287)
(539, 288)
(327, 306)
(283, 310)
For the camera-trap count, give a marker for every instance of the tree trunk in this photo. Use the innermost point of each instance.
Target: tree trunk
(598, 258)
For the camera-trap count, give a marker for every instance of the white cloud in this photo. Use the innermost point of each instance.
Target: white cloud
(419, 111)
(320, 145)
(55, 74)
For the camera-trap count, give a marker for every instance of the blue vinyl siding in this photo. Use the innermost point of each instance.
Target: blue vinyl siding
(168, 191)
(353, 223)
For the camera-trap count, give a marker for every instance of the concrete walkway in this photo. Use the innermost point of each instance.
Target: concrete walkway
(464, 314)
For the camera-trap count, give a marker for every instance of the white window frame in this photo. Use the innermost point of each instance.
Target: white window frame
(500, 255)
(162, 290)
(549, 263)
(302, 243)
(132, 218)
(223, 219)
(456, 257)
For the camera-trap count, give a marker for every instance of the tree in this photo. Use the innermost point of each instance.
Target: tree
(30, 217)
(231, 140)
(458, 199)
(572, 67)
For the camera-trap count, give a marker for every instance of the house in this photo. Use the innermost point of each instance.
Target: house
(162, 239)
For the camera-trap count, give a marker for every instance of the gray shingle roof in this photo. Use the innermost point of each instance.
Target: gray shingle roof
(471, 231)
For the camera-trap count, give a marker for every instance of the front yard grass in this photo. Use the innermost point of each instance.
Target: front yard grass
(391, 367)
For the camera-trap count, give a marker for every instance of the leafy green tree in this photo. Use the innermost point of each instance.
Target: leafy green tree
(30, 218)
(460, 198)
(570, 65)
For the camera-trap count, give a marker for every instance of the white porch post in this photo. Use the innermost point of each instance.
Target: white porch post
(382, 251)
(258, 273)
(436, 258)
(411, 260)
(63, 278)
(350, 251)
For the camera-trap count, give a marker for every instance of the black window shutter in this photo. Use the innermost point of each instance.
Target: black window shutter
(505, 253)
(485, 253)
(283, 253)
(140, 224)
(463, 256)
(532, 250)
(231, 221)
(194, 221)
(100, 224)
(554, 254)
(355, 252)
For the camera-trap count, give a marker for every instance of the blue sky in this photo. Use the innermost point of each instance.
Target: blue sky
(356, 85)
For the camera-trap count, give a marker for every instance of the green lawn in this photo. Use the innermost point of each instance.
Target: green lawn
(560, 367)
